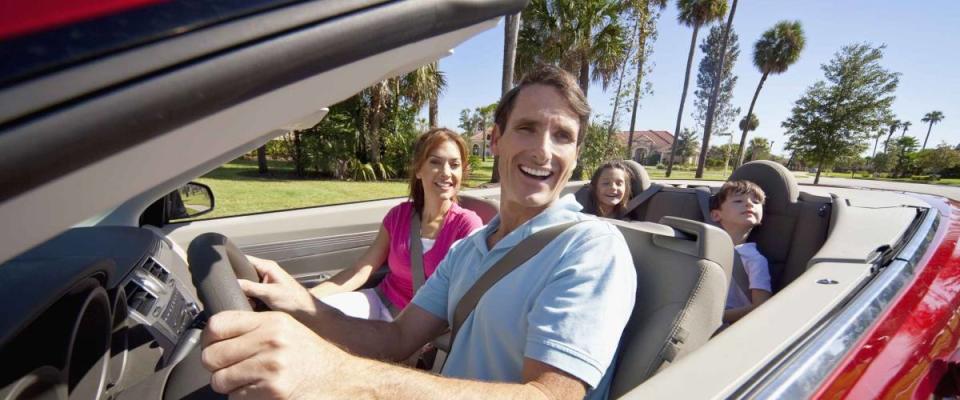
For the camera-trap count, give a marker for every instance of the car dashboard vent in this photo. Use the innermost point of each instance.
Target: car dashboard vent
(139, 298)
(153, 268)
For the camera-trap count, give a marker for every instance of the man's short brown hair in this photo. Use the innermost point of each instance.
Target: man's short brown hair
(551, 76)
(733, 188)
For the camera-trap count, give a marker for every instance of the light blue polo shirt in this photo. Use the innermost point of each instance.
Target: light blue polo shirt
(566, 306)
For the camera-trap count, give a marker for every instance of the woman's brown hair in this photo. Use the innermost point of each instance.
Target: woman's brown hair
(627, 190)
(425, 144)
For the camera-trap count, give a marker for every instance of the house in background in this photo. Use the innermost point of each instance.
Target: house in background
(476, 146)
(650, 147)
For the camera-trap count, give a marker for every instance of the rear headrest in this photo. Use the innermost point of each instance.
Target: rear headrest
(641, 180)
(775, 180)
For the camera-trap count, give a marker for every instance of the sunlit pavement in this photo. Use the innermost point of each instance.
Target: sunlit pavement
(951, 192)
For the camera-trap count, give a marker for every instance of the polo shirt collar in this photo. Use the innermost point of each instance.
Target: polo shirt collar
(564, 209)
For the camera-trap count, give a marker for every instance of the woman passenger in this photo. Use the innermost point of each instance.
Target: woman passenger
(438, 169)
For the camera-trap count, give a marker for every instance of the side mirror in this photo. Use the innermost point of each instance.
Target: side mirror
(189, 201)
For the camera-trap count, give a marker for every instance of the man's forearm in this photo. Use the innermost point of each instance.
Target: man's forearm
(365, 338)
(396, 382)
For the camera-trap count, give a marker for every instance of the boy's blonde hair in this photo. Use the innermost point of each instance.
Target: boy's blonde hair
(733, 188)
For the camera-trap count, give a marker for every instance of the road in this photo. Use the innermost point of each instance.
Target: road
(951, 192)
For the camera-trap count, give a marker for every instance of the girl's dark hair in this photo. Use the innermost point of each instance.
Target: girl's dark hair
(627, 192)
(425, 144)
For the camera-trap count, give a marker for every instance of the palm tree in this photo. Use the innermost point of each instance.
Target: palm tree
(511, 28)
(424, 85)
(749, 123)
(712, 103)
(774, 52)
(645, 13)
(584, 37)
(695, 14)
(894, 125)
(905, 126)
(932, 117)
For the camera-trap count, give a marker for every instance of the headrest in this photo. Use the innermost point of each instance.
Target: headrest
(776, 181)
(584, 196)
(641, 180)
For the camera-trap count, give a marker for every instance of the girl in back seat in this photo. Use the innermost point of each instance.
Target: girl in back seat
(610, 189)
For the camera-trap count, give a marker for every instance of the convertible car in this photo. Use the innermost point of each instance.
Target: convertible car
(108, 110)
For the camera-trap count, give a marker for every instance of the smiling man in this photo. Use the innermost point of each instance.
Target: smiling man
(548, 330)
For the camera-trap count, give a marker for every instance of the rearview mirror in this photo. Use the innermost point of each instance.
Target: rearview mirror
(189, 201)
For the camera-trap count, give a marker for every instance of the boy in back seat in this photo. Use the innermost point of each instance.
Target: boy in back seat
(737, 208)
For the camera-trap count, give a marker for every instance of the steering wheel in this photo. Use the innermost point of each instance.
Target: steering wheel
(216, 263)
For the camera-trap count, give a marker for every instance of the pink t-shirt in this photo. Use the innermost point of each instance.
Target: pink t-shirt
(398, 285)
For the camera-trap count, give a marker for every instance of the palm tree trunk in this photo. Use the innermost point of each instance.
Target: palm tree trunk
(683, 98)
(582, 135)
(432, 113)
(262, 159)
(511, 27)
(753, 102)
(483, 141)
(886, 143)
(926, 137)
(641, 45)
(623, 71)
(712, 105)
(875, 143)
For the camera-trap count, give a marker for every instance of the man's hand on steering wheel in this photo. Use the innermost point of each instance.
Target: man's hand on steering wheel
(279, 291)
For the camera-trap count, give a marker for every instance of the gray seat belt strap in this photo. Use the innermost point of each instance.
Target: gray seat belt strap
(640, 198)
(416, 253)
(518, 255)
(740, 276)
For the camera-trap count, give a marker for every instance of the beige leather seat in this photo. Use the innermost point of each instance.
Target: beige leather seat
(794, 224)
(485, 208)
(683, 267)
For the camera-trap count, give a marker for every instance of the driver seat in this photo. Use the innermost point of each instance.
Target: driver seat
(683, 267)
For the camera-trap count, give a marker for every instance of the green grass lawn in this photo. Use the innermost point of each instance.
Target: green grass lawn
(240, 189)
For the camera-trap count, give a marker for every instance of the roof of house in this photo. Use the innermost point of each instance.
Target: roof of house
(658, 138)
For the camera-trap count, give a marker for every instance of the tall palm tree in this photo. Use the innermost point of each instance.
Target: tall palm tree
(585, 37)
(774, 52)
(511, 28)
(905, 126)
(425, 85)
(645, 13)
(894, 125)
(712, 103)
(695, 14)
(932, 117)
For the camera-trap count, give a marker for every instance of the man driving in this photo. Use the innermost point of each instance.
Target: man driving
(547, 330)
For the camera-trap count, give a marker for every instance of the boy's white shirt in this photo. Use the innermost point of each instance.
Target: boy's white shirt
(758, 274)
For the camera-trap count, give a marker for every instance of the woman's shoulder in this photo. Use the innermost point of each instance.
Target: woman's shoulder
(398, 213)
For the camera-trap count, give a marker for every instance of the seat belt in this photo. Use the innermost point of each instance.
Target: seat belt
(738, 273)
(416, 253)
(639, 199)
(518, 255)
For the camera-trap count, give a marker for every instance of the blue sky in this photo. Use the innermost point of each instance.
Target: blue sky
(922, 39)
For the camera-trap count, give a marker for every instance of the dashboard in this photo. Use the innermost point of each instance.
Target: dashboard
(96, 313)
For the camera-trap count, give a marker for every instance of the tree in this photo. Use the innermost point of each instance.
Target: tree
(894, 125)
(932, 117)
(833, 118)
(511, 28)
(776, 50)
(934, 161)
(585, 37)
(645, 15)
(424, 85)
(262, 160)
(478, 121)
(695, 14)
(759, 149)
(905, 126)
(715, 84)
(715, 92)
(906, 149)
(709, 73)
(688, 145)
